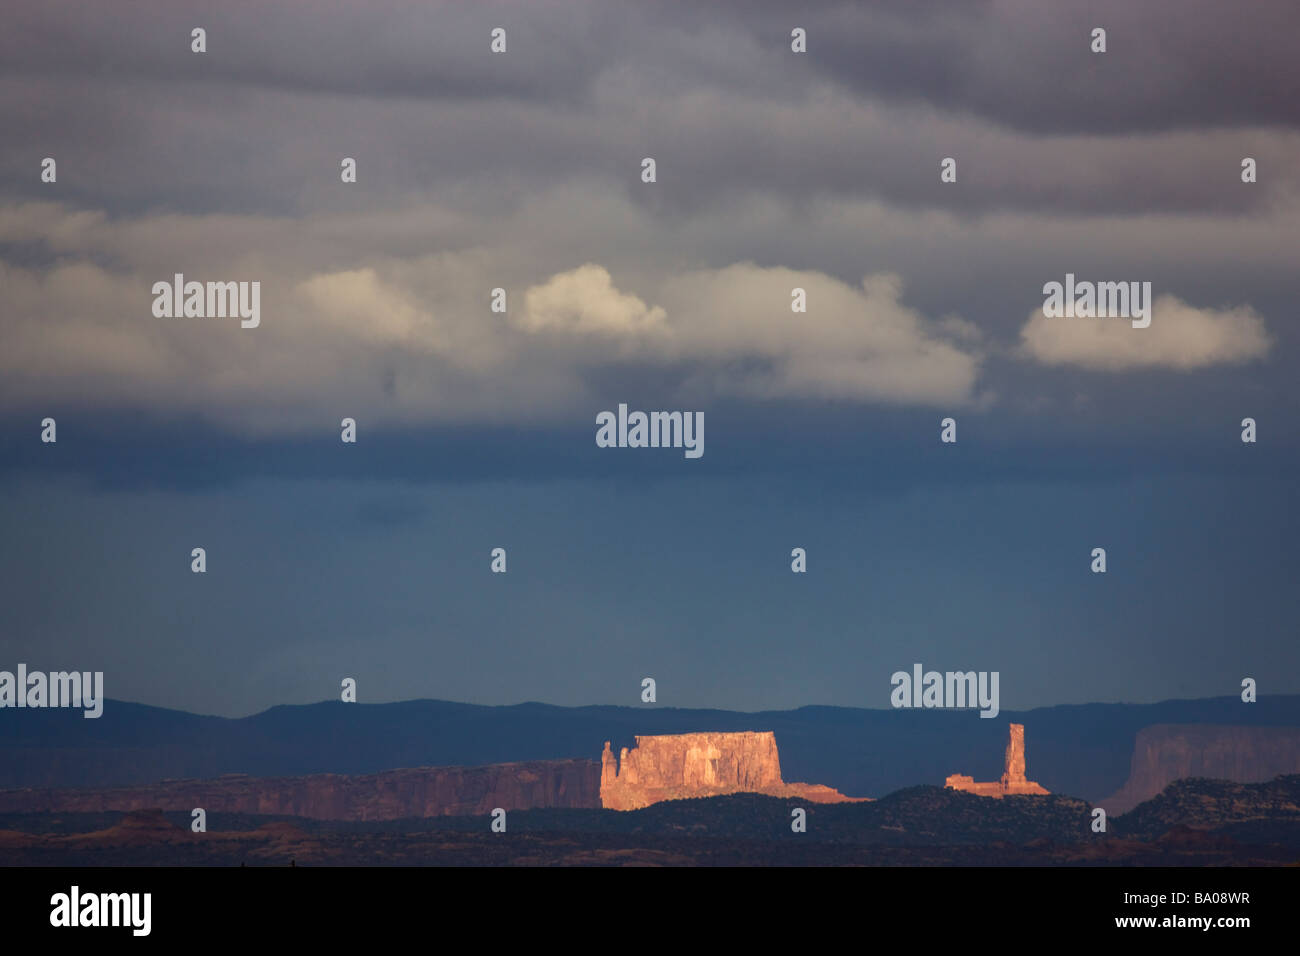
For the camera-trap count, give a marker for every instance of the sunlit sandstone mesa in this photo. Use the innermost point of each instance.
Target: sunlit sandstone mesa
(1013, 777)
(681, 766)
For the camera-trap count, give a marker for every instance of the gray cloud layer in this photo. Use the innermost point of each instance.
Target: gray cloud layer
(521, 171)
(585, 90)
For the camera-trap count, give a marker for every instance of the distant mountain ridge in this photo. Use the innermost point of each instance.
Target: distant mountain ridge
(1078, 750)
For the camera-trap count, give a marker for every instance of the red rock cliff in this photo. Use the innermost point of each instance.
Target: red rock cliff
(1164, 753)
(391, 795)
(681, 766)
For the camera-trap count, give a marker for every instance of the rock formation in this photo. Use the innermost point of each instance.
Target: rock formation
(1013, 779)
(1164, 753)
(682, 766)
(391, 795)
(1014, 761)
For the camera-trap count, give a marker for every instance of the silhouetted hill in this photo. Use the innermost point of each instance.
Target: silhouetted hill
(916, 816)
(1076, 749)
(1251, 825)
(1246, 812)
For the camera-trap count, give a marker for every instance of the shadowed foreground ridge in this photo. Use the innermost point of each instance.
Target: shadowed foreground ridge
(1240, 825)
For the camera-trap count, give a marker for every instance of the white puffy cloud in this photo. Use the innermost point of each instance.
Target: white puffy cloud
(367, 308)
(1180, 336)
(858, 344)
(387, 317)
(405, 337)
(735, 328)
(584, 301)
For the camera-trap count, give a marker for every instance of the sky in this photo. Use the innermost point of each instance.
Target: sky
(523, 171)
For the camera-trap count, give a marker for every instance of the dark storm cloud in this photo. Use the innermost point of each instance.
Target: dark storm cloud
(586, 90)
(1023, 63)
(1028, 64)
(379, 50)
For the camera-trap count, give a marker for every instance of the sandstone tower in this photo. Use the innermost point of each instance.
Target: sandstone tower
(1013, 779)
(1014, 763)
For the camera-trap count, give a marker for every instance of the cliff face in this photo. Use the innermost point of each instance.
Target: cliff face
(682, 766)
(1164, 753)
(391, 795)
